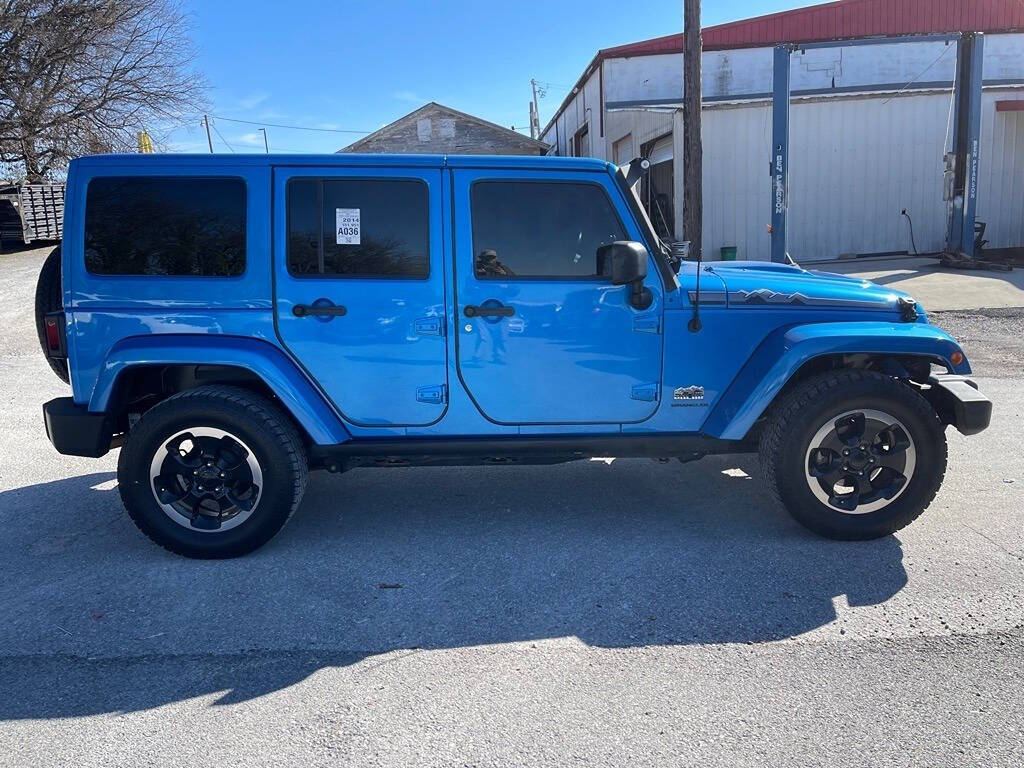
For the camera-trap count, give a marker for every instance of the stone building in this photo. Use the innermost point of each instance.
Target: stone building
(435, 129)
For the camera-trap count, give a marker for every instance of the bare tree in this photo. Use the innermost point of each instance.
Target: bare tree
(84, 76)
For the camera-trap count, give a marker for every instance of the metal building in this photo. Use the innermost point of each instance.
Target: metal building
(869, 125)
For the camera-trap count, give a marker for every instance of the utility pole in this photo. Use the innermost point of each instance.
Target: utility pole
(209, 141)
(266, 144)
(693, 150)
(534, 113)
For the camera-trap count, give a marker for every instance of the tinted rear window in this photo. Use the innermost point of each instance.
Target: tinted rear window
(165, 226)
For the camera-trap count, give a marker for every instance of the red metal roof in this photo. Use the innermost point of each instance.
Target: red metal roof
(840, 20)
(843, 20)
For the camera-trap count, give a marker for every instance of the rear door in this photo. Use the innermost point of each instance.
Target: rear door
(360, 288)
(541, 337)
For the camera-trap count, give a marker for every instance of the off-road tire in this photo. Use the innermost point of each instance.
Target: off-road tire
(797, 417)
(50, 298)
(259, 424)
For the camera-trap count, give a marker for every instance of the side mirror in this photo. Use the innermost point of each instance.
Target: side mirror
(625, 263)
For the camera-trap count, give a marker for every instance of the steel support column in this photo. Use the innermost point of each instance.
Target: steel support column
(966, 140)
(780, 150)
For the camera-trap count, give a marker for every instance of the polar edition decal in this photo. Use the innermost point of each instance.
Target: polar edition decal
(764, 297)
(689, 397)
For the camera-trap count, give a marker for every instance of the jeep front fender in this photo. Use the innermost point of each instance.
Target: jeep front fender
(305, 403)
(785, 350)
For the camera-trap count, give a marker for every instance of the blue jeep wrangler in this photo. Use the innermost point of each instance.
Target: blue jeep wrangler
(232, 323)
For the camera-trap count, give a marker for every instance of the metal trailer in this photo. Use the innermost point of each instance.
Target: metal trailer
(10, 216)
(30, 212)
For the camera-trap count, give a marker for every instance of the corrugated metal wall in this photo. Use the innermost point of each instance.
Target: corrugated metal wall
(1001, 189)
(737, 188)
(856, 163)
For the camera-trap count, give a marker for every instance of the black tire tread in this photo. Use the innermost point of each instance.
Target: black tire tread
(262, 413)
(50, 298)
(823, 387)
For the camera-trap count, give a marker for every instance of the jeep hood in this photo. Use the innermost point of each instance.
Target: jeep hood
(754, 284)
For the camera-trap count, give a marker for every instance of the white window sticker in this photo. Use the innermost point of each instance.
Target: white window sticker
(347, 225)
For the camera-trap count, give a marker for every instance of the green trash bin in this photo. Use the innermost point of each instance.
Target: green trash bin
(728, 253)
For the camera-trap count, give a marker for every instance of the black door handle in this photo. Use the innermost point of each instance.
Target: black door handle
(475, 311)
(302, 310)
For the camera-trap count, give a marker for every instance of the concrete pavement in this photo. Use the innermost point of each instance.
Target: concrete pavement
(936, 288)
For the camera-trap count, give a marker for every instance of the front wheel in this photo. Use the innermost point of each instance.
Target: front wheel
(854, 454)
(212, 472)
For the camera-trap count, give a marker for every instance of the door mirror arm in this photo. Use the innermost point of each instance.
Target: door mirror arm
(640, 296)
(624, 262)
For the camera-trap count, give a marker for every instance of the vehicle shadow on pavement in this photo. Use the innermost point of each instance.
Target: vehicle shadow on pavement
(620, 555)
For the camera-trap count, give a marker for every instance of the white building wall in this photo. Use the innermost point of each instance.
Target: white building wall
(855, 164)
(856, 161)
(641, 125)
(737, 187)
(1001, 173)
(748, 72)
(584, 108)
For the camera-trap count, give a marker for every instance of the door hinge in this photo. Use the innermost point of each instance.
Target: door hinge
(648, 392)
(650, 323)
(429, 326)
(434, 395)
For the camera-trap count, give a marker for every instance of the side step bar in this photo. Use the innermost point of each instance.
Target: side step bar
(520, 449)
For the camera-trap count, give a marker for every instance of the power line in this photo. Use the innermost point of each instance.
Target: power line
(215, 130)
(293, 127)
(560, 86)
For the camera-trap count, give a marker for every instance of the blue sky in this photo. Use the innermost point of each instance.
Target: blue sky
(333, 64)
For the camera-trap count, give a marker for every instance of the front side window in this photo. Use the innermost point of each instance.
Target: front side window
(193, 227)
(528, 229)
(358, 228)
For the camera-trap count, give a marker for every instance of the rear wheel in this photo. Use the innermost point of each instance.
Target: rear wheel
(854, 454)
(212, 472)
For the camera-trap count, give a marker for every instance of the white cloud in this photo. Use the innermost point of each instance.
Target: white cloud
(253, 100)
(409, 96)
(252, 139)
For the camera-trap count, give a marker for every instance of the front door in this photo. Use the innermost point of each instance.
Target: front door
(540, 337)
(360, 288)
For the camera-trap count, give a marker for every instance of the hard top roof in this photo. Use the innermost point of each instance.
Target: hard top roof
(524, 162)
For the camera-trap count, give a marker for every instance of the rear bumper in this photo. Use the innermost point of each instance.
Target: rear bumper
(958, 402)
(74, 430)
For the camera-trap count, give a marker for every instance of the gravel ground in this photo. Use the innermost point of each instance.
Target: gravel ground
(993, 339)
(624, 613)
